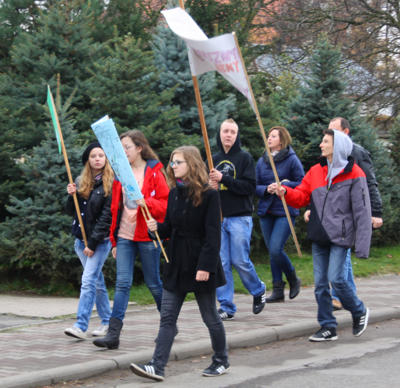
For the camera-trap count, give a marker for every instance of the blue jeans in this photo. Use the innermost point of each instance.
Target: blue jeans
(276, 231)
(170, 308)
(348, 274)
(235, 248)
(93, 288)
(329, 265)
(127, 251)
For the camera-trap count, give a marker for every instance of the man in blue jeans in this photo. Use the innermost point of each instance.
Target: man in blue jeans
(234, 177)
(362, 157)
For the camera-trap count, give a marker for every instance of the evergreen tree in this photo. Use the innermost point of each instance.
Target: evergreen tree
(321, 100)
(171, 60)
(135, 17)
(395, 145)
(124, 85)
(15, 16)
(61, 42)
(272, 97)
(36, 242)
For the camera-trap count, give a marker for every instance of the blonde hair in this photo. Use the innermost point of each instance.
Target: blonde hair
(230, 121)
(196, 179)
(86, 180)
(284, 136)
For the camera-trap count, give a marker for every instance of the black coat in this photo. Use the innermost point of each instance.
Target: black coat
(97, 218)
(363, 159)
(195, 240)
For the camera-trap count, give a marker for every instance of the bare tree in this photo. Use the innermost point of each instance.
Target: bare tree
(368, 32)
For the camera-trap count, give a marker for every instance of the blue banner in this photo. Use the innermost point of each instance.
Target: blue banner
(108, 137)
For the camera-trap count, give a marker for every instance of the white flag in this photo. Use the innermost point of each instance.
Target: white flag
(219, 54)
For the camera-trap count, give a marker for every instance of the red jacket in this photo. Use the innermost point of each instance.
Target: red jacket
(341, 213)
(155, 191)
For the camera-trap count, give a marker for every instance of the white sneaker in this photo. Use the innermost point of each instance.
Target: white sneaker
(101, 331)
(75, 332)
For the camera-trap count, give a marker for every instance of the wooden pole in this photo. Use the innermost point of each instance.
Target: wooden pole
(146, 219)
(201, 113)
(271, 159)
(202, 122)
(156, 233)
(64, 151)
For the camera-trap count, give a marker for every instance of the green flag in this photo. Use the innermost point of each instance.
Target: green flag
(54, 117)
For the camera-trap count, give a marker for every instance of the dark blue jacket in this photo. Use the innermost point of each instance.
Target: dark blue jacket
(290, 170)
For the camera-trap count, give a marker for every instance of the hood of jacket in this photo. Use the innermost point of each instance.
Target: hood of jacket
(342, 147)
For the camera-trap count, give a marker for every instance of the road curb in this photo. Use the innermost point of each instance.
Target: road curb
(182, 351)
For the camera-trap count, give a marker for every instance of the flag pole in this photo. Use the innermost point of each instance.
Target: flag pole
(146, 219)
(64, 151)
(271, 159)
(156, 233)
(201, 113)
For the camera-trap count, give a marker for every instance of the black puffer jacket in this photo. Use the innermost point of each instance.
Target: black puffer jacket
(96, 217)
(363, 159)
(195, 239)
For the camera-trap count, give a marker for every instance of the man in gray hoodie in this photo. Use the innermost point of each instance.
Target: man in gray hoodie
(337, 192)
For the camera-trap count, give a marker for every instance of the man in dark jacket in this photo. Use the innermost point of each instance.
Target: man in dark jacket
(234, 177)
(362, 157)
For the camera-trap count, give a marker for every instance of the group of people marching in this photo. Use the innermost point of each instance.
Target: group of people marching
(206, 214)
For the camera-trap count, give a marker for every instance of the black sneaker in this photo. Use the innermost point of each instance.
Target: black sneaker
(324, 334)
(360, 323)
(216, 369)
(149, 371)
(225, 316)
(259, 303)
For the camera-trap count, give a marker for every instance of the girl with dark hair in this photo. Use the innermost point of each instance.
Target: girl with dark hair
(93, 189)
(128, 232)
(273, 221)
(193, 225)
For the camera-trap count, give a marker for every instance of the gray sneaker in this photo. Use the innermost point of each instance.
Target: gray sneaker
(75, 332)
(101, 331)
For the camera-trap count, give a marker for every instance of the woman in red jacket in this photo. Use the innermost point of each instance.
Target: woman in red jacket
(128, 233)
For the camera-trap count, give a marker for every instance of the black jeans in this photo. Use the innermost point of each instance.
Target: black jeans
(170, 307)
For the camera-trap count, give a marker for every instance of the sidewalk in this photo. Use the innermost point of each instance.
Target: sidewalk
(37, 352)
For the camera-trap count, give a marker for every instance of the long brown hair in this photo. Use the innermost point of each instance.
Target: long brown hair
(196, 179)
(140, 140)
(86, 180)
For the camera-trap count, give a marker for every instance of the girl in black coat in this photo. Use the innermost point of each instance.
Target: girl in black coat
(93, 189)
(193, 225)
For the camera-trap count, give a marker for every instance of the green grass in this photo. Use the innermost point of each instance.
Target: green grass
(383, 260)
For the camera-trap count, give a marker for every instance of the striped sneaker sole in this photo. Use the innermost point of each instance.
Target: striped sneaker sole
(146, 371)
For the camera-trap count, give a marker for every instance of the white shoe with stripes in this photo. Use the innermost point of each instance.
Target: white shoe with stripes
(216, 369)
(149, 371)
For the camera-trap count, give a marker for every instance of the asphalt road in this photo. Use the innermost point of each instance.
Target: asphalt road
(368, 361)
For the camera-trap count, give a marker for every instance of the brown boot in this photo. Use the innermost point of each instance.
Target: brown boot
(336, 304)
